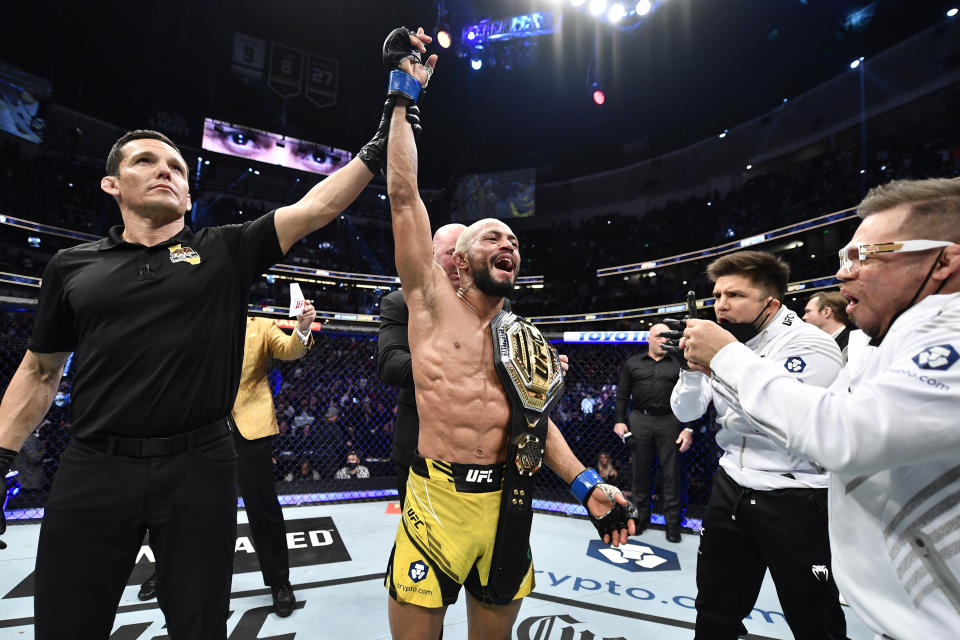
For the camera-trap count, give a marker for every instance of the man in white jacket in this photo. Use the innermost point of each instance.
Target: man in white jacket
(768, 508)
(889, 428)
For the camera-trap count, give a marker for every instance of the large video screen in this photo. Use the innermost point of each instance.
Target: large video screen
(22, 96)
(505, 194)
(272, 148)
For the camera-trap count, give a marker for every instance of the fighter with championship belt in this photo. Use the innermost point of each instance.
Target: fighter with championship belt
(485, 383)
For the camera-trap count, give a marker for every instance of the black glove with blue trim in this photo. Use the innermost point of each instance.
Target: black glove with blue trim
(613, 521)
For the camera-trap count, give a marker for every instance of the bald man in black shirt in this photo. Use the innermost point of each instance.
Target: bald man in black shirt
(646, 381)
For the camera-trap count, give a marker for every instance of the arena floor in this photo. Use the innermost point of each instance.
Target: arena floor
(338, 554)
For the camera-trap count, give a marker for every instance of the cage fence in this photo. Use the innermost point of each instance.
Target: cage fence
(331, 402)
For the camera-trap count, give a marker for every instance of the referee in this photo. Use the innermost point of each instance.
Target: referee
(152, 447)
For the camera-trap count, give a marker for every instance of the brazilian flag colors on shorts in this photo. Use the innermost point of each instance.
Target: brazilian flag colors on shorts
(447, 533)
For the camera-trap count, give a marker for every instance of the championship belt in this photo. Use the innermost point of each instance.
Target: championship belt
(529, 369)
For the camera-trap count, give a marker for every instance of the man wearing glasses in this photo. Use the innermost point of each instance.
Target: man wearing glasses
(889, 427)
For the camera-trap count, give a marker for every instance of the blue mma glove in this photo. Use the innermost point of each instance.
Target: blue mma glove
(396, 49)
(612, 521)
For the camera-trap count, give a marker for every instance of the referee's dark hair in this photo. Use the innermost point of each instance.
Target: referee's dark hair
(763, 269)
(115, 157)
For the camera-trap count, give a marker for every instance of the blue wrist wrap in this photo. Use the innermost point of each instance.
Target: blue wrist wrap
(403, 84)
(582, 484)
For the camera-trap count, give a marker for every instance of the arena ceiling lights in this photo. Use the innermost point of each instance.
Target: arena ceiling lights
(510, 40)
(507, 40)
(623, 14)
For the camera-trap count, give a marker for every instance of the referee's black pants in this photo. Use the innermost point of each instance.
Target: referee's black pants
(746, 532)
(259, 492)
(656, 433)
(99, 508)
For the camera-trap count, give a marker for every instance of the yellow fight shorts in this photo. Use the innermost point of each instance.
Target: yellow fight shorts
(446, 535)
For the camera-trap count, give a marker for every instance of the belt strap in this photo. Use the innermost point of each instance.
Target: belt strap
(153, 447)
(528, 434)
(653, 411)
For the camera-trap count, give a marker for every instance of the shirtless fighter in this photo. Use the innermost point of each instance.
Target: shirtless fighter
(485, 383)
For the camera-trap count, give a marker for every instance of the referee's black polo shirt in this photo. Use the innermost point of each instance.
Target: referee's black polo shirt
(648, 382)
(157, 331)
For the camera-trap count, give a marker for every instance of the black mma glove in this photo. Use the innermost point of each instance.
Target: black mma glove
(6, 461)
(413, 117)
(612, 521)
(396, 49)
(672, 345)
(374, 153)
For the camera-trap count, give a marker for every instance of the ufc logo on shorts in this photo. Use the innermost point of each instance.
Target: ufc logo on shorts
(417, 522)
(475, 475)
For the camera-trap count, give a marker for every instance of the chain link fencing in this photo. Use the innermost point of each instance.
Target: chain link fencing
(331, 402)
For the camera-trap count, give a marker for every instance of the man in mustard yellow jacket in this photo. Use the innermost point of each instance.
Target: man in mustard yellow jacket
(256, 423)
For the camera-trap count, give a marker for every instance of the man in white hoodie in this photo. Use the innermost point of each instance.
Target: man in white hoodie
(889, 428)
(768, 508)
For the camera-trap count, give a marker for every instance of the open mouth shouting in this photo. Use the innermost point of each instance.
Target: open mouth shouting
(851, 300)
(505, 262)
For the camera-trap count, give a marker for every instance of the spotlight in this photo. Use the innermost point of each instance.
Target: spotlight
(597, 7)
(723, 134)
(856, 63)
(443, 38)
(476, 63)
(599, 97)
(952, 12)
(643, 7)
(749, 166)
(616, 13)
(471, 35)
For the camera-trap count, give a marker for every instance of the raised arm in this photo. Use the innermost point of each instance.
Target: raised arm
(324, 202)
(411, 224)
(329, 198)
(292, 347)
(690, 396)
